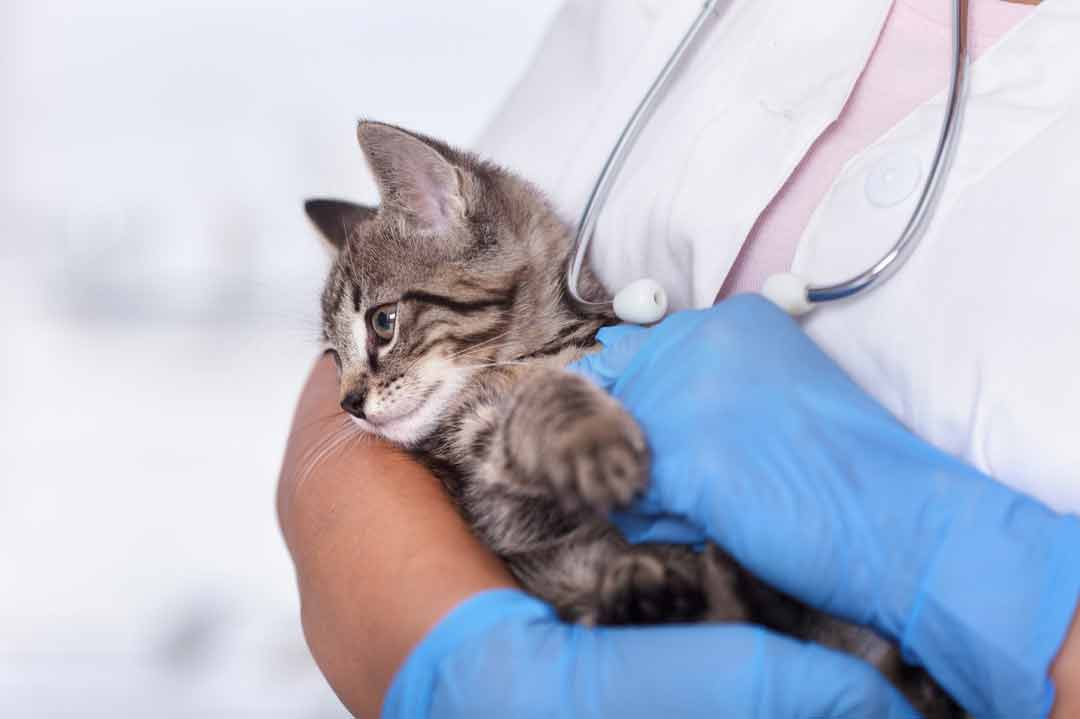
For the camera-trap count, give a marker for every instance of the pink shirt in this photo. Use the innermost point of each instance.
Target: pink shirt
(909, 66)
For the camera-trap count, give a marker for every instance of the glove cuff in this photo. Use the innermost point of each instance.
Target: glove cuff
(996, 604)
(414, 684)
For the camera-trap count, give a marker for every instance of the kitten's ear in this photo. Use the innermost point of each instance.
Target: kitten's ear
(337, 218)
(413, 176)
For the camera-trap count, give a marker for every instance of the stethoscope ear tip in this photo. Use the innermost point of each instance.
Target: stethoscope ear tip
(641, 302)
(644, 301)
(789, 292)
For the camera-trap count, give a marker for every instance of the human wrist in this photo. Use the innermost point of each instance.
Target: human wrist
(1065, 673)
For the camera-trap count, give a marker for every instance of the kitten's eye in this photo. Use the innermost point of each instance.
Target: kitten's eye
(383, 320)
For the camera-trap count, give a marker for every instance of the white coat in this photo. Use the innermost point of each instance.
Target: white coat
(975, 343)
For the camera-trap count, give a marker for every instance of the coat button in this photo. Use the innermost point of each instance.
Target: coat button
(892, 179)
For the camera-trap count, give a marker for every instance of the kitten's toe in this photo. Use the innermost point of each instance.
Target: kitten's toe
(622, 471)
(601, 478)
(639, 588)
(602, 464)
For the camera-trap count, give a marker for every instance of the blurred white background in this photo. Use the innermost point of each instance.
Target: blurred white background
(158, 296)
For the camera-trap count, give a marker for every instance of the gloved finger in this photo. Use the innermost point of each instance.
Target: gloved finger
(621, 343)
(641, 527)
(716, 670)
(793, 679)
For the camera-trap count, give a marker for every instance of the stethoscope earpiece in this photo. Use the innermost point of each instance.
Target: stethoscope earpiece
(642, 302)
(789, 292)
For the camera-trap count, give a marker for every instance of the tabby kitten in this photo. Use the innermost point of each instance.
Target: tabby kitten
(447, 313)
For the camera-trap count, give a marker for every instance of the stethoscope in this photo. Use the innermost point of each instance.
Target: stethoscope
(645, 301)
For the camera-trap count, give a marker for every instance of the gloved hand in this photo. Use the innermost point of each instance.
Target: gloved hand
(504, 654)
(763, 444)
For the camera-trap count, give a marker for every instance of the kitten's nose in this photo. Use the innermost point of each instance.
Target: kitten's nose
(353, 403)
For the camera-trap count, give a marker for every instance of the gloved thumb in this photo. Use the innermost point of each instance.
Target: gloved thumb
(620, 344)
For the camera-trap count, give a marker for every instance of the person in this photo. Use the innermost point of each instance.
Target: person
(762, 443)
(788, 465)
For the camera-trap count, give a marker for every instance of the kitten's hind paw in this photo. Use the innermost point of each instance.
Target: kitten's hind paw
(639, 588)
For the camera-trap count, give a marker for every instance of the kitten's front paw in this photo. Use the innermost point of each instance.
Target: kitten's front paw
(597, 460)
(567, 439)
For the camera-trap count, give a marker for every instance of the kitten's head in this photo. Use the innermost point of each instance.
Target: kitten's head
(459, 267)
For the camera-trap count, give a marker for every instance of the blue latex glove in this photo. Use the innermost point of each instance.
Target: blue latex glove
(762, 443)
(503, 654)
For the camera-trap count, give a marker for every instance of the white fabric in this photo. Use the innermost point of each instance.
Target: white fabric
(724, 140)
(976, 343)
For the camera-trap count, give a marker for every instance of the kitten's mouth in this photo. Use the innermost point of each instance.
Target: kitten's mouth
(389, 421)
(382, 424)
(409, 426)
(385, 421)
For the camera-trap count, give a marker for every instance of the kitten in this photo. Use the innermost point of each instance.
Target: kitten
(447, 313)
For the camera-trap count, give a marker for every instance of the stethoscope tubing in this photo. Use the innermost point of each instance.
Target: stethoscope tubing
(614, 163)
(898, 253)
(884, 267)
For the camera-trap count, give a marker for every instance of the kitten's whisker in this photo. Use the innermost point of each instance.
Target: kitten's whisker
(471, 352)
(468, 350)
(481, 345)
(323, 418)
(334, 430)
(490, 364)
(314, 455)
(338, 440)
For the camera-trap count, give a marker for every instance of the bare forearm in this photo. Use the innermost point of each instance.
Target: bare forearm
(380, 552)
(1066, 674)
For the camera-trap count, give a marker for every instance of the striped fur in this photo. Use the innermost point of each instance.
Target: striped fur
(472, 382)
